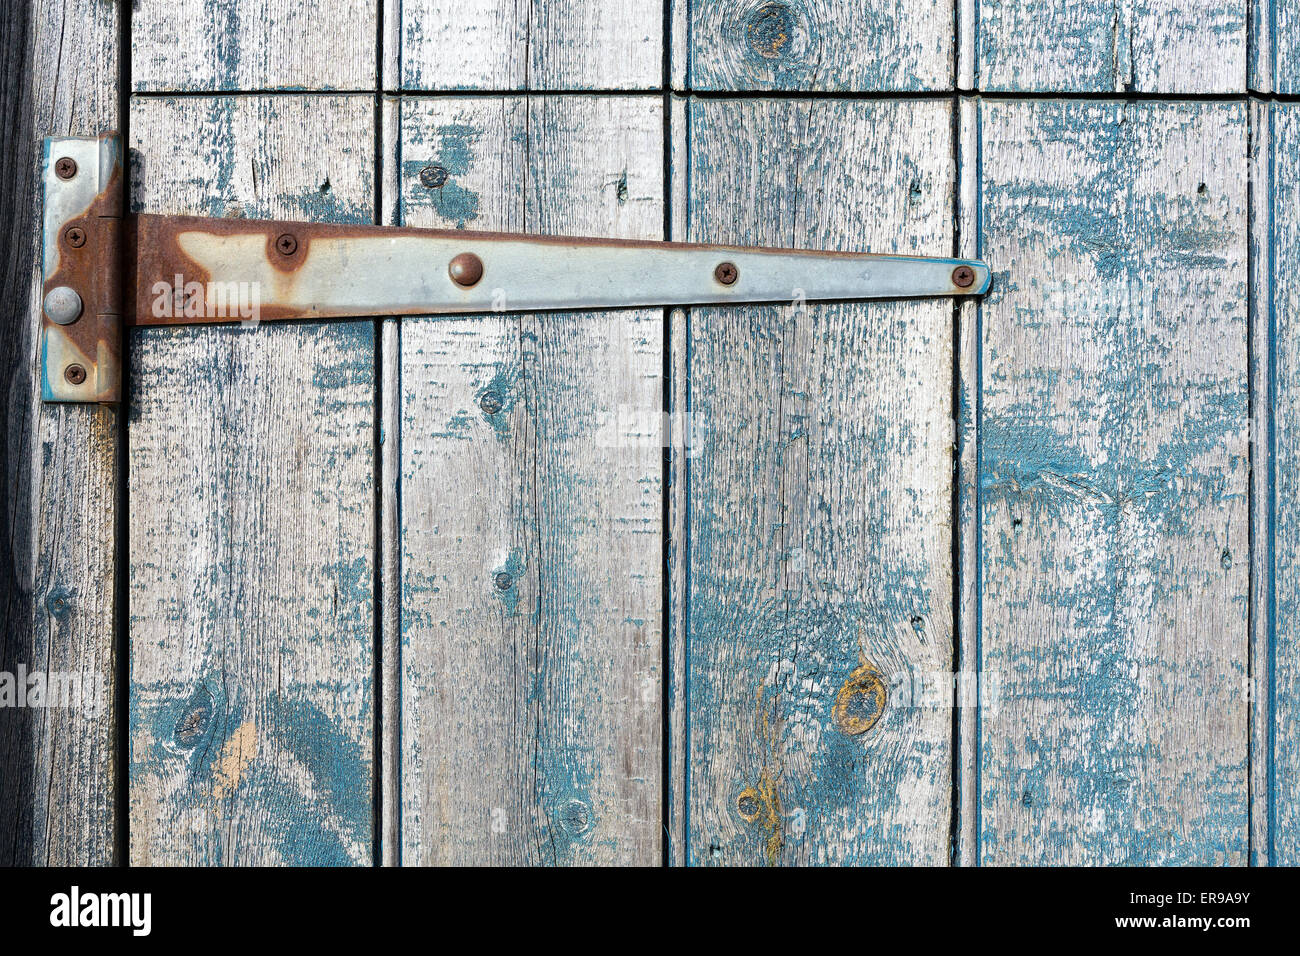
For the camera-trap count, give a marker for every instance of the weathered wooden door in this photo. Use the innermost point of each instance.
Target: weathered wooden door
(906, 583)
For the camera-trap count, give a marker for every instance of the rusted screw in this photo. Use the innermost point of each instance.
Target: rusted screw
(75, 374)
(65, 167)
(431, 177)
(726, 273)
(287, 245)
(466, 269)
(490, 403)
(76, 236)
(963, 277)
(504, 580)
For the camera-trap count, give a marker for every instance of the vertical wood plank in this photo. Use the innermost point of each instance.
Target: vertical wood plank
(530, 503)
(1275, 46)
(819, 553)
(821, 45)
(536, 45)
(966, 512)
(58, 513)
(1079, 46)
(1280, 671)
(1113, 483)
(253, 45)
(252, 525)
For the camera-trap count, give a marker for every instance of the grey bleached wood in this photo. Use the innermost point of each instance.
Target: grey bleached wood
(59, 465)
(214, 45)
(252, 519)
(530, 505)
(1113, 482)
(1081, 46)
(821, 45)
(1282, 755)
(817, 565)
(534, 45)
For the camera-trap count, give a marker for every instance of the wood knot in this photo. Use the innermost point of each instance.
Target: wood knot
(860, 702)
(770, 31)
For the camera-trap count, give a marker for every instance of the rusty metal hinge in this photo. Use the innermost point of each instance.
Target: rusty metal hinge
(102, 270)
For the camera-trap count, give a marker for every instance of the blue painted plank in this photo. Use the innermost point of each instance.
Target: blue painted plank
(812, 45)
(1113, 471)
(251, 516)
(817, 493)
(1082, 46)
(1280, 670)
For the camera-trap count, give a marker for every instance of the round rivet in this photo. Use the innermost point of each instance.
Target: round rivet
(466, 269)
(431, 177)
(963, 277)
(63, 305)
(287, 245)
(65, 167)
(75, 374)
(726, 273)
(490, 403)
(75, 236)
(504, 580)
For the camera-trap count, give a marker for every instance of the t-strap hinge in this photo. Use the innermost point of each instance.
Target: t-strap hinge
(103, 271)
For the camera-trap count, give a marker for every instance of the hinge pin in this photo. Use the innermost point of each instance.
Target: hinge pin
(63, 305)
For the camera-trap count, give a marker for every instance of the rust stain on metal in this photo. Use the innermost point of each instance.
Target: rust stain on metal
(90, 263)
(286, 245)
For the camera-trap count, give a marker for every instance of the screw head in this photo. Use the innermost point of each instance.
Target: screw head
(431, 177)
(465, 269)
(65, 167)
(75, 374)
(62, 305)
(503, 580)
(726, 273)
(75, 236)
(287, 245)
(963, 277)
(490, 403)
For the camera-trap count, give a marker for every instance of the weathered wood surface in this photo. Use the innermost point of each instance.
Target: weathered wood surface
(251, 463)
(1081, 46)
(1113, 481)
(59, 468)
(1280, 670)
(536, 45)
(249, 45)
(1275, 46)
(817, 45)
(817, 565)
(530, 505)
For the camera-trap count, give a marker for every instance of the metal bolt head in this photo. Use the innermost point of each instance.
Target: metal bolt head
(75, 374)
(465, 269)
(963, 277)
(726, 273)
(504, 580)
(287, 245)
(491, 403)
(65, 167)
(431, 177)
(75, 236)
(62, 305)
